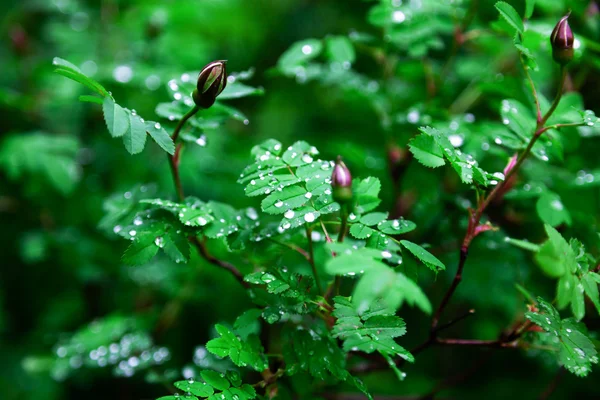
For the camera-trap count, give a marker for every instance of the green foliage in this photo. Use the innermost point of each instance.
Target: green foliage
(247, 353)
(214, 386)
(115, 267)
(433, 149)
(575, 351)
(569, 263)
(287, 294)
(39, 158)
(296, 185)
(372, 330)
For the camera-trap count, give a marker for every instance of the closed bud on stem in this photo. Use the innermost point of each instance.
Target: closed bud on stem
(211, 82)
(341, 182)
(562, 41)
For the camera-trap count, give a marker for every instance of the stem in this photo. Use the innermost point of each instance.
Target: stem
(454, 321)
(475, 217)
(534, 91)
(563, 77)
(219, 263)
(343, 227)
(298, 249)
(200, 246)
(174, 159)
(174, 163)
(182, 122)
(464, 250)
(311, 259)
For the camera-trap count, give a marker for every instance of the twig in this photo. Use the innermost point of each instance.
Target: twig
(201, 246)
(454, 321)
(219, 263)
(297, 249)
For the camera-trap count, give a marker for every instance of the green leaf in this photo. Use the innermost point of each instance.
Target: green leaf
(523, 244)
(290, 197)
(247, 323)
(361, 231)
(236, 90)
(424, 256)
(510, 15)
(366, 194)
(175, 245)
(314, 352)
(340, 49)
(529, 6)
(247, 353)
(556, 257)
(141, 250)
(433, 148)
(65, 68)
(201, 389)
(215, 379)
(427, 151)
(90, 99)
(396, 226)
(590, 287)
(368, 331)
(135, 136)
(373, 218)
(551, 209)
(36, 158)
(192, 212)
(576, 352)
(160, 136)
(116, 118)
(299, 53)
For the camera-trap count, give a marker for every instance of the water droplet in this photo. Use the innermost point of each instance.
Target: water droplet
(278, 203)
(398, 17)
(456, 140)
(289, 214)
(307, 49)
(309, 217)
(123, 73)
(308, 195)
(201, 141)
(138, 221)
(117, 228)
(132, 233)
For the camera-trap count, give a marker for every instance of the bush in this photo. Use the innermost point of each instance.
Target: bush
(217, 258)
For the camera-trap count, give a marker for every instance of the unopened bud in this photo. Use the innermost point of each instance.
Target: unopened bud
(341, 182)
(211, 82)
(562, 41)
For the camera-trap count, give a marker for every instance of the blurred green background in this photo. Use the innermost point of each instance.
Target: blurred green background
(60, 271)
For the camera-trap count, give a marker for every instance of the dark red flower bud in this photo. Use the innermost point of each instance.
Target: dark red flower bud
(562, 41)
(341, 182)
(211, 82)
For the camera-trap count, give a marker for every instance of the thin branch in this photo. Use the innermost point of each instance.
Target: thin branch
(464, 251)
(563, 77)
(182, 122)
(536, 98)
(454, 321)
(297, 249)
(201, 246)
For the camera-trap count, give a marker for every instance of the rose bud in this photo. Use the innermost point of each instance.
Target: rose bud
(562, 41)
(341, 182)
(211, 82)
